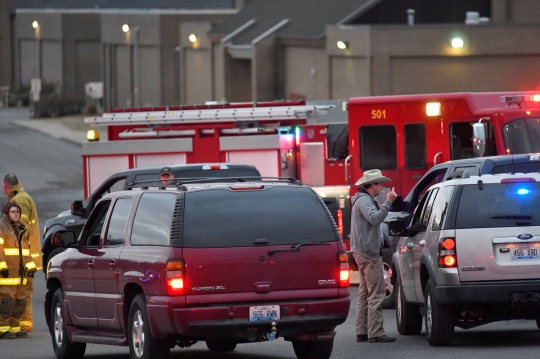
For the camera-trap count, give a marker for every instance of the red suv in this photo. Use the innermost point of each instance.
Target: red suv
(224, 263)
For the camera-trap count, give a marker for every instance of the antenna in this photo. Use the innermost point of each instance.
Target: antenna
(512, 172)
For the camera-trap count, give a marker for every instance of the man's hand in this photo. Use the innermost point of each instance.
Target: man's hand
(4, 273)
(391, 195)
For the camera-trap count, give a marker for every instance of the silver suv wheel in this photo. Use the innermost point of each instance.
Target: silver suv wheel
(137, 334)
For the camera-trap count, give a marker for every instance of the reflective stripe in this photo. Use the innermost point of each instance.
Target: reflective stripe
(4, 329)
(12, 281)
(15, 252)
(31, 265)
(34, 255)
(15, 329)
(3, 265)
(1, 241)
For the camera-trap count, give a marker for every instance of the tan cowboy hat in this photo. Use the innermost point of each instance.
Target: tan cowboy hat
(372, 176)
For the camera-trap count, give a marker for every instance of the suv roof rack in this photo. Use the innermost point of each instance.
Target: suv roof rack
(179, 182)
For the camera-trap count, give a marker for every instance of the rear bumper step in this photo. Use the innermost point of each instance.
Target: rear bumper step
(500, 292)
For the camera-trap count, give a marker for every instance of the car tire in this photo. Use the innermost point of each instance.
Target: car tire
(440, 320)
(220, 346)
(313, 349)
(390, 297)
(62, 346)
(142, 345)
(408, 317)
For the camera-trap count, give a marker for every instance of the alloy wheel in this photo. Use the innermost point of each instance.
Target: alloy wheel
(138, 334)
(58, 323)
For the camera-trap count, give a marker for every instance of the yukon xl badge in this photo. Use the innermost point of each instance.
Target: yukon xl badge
(525, 236)
(472, 268)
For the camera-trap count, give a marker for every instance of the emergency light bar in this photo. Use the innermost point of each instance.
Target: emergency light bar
(516, 100)
(209, 115)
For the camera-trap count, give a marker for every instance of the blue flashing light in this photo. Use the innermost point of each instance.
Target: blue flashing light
(523, 191)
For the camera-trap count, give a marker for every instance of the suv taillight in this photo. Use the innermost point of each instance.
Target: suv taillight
(343, 269)
(447, 253)
(175, 277)
(340, 222)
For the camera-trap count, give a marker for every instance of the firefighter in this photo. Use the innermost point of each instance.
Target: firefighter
(29, 217)
(16, 266)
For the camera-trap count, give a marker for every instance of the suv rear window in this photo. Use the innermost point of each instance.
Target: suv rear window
(499, 205)
(280, 215)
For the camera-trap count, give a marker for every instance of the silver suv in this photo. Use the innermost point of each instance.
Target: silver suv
(470, 256)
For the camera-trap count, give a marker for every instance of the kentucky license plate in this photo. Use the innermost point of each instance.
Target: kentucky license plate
(525, 252)
(270, 312)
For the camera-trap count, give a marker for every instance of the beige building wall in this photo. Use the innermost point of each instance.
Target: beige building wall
(264, 69)
(306, 73)
(525, 11)
(5, 44)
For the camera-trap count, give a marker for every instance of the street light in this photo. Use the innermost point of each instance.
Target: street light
(457, 43)
(125, 28)
(193, 38)
(342, 45)
(35, 24)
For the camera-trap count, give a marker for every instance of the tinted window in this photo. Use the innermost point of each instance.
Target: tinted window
(499, 205)
(441, 208)
(278, 215)
(378, 147)
(337, 141)
(522, 135)
(461, 135)
(427, 212)
(117, 224)
(94, 225)
(527, 167)
(153, 220)
(415, 146)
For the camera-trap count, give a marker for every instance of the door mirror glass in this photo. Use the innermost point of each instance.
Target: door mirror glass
(63, 238)
(479, 139)
(396, 227)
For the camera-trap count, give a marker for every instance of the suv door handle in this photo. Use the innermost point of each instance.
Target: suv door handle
(91, 263)
(112, 264)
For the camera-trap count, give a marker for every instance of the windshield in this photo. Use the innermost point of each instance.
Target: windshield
(522, 135)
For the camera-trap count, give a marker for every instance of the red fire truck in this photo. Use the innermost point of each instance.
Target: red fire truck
(401, 135)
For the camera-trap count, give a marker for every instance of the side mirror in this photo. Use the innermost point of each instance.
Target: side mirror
(397, 205)
(479, 139)
(396, 227)
(77, 208)
(63, 239)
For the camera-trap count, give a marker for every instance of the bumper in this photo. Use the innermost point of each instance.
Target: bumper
(500, 292)
(232, 321)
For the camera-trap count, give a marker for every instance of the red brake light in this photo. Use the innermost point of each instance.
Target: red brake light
(340, 222)
(343, 269)
(447, 253)
(518, 180)
(448, 243)
(175, 277)
(215, 167)
(245, 187)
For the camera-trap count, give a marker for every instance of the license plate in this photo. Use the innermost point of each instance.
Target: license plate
(258, 314)
(525, 252)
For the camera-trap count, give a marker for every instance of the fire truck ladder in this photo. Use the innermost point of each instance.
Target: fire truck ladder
(218, 115)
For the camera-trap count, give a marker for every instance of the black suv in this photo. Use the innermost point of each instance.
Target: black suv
(75, 218)
(225, 263)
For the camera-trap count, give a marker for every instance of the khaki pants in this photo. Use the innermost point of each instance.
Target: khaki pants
(26, 322)
(371, 293)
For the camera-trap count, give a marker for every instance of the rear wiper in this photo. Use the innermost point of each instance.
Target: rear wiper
(513, 216)
(295, 247)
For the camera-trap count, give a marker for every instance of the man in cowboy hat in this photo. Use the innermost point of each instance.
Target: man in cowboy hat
(366, 245)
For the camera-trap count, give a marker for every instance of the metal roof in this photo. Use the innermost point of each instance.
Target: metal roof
(122, 4)
(307, 19)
